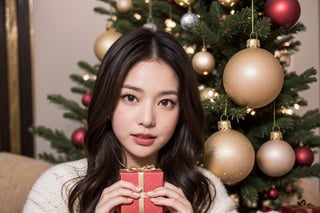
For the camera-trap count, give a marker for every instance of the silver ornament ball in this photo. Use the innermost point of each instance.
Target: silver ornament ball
(188, 20)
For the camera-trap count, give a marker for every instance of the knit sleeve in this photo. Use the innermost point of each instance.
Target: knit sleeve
(50, 191)
(222, 201)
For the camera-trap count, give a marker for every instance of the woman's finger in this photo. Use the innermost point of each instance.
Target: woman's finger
(121, 192)
(172, 197)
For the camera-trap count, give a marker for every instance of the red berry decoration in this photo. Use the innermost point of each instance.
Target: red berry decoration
(283, 13)
(273, 193)
(77, 137)
(304, 156)
(86, 99)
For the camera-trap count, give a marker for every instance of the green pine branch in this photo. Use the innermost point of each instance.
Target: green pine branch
(86, 85)
(305, 172)
(90, 69)
(75, 111)
(58, 141)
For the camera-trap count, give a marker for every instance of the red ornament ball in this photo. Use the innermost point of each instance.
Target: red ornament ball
(77, 137)
(86, 99)
(304, 156)
(273, 193)
(170, 1)
(289, 188)
(283, 13)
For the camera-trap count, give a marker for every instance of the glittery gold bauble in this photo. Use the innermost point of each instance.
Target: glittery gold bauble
(228, 3)
(253, 77)
(208, 94)
(185, 3)
(104, 42)
(123, 6)
(275, 157)
(203, 62)
(229, 154)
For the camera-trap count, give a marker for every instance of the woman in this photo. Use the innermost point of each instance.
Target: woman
(145, 109)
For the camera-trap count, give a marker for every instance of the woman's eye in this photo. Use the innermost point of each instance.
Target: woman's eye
(129, 98)
(167, 103)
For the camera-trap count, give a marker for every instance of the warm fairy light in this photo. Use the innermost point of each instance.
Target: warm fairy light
(251, 111)
(201, 87)
(286, 111)
(113, 18)
(289, 111)
(87, 77)
(137, 16)
(189, 49)
(170, 23)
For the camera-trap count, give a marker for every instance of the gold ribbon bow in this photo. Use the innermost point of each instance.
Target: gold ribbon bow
(146, 168)
(308, 206)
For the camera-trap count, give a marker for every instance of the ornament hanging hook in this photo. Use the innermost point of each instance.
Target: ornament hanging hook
(275, 125)
(150, 18)
(203, 40)
(224, 116)
(252, 21)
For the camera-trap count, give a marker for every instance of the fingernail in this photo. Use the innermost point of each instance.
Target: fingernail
(136, 194)
(153, 200)
(150, 193)
(138, 188)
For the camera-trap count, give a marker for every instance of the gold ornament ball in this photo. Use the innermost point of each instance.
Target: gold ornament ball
(208, 94)
(104, 42)
(253, 77)
(185, 3)
(123, 6)
(203, 62)
(228, 3)
(229, 155)
(275, 158)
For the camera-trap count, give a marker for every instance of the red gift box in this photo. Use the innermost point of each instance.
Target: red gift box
(148, 178)
(301, 207)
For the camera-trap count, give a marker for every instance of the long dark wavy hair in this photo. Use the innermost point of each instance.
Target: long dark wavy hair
(178, 158)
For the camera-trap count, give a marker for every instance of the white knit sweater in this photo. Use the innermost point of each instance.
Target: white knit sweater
(49, 193)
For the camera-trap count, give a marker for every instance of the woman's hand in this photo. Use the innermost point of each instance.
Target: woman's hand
(121, 192)
(172, 198)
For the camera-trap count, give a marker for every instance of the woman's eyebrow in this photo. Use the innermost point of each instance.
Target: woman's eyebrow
(164, 92)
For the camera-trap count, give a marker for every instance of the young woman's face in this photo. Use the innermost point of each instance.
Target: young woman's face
(147, 111)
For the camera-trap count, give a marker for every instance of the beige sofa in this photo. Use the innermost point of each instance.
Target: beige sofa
(17, 175)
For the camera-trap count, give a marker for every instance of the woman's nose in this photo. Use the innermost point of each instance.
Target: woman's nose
(146, 116)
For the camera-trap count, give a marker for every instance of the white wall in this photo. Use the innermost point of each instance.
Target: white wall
(307, 57)
(64, 33)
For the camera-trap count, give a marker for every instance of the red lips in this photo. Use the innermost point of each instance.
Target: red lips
(143, 139)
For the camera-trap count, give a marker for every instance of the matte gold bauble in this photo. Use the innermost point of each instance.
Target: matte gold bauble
(184, 3)
(275, 157)
(253, 77)
(123, 6)
(229, 154)
(228, 3)
(104, 42)
(203, 62)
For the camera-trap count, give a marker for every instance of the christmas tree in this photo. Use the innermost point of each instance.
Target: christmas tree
(256, 144)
